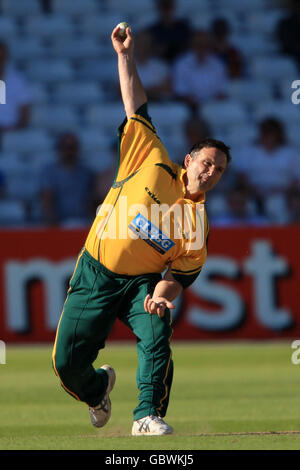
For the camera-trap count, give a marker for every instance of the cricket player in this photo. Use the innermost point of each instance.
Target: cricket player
(152, 221)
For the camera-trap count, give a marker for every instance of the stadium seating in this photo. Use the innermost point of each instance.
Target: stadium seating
(275, 209)
(27, 49)
(281, 109)
(265, 24)
(49, 70)
(26, 141)
(132, 8)
(222, 115)
(168, 116)
(68, 62)
(107, 117)
(79, 93)
(20, 9)
(12, 213)
(286, 90)
(21, 177)
(249, 91)
(74, 7)
(293, 134)
(246, 7)
(55, 118)
(273, 68)
(8, 28)
(100, 25)
(253, 45)
(75, 48)
(99, 69)
(241, 135)
(39, 93)
(93, 140)
(48, 26)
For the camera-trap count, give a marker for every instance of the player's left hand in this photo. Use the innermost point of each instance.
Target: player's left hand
(157, 305)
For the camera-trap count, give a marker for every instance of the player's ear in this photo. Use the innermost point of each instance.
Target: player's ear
(187, 160)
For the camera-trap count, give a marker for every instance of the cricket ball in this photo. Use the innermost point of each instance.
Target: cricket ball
(122, 30)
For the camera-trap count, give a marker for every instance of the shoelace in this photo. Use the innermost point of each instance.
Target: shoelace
(102, 406)
(145, 425)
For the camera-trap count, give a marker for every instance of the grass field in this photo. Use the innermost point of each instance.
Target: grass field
(224, 396)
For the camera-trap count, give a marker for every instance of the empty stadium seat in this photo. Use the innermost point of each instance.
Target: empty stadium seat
(98, 160)
(221, 115)
(141, 22)
(29, 7)
(254, 45)
(134, 7)
(55, 118)
(250, 91)
(99, 69)
(241, 135)
(245, 7)
(12, 213)
(216, 205)
(101, 25)
(265, 23)
(168, 115)
(49, 70)
(175, 145)
(293, 134)
(74, 7)
(78, 93)
(107, 117)
(8, 28)
(26, 141)
(93, 140)
(39, 93)
(185, 8)
(21, 177)
(284, 110)
(27, 49)
(273, 68)
(275, 209)
(75, 48)
(48, 26)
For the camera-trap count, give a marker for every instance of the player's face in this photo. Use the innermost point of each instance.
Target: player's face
(205, 170)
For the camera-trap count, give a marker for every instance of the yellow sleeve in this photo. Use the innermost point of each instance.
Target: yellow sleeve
(187, 267)
(138, 145)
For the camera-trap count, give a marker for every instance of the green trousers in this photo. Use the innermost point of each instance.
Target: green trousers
(95, 299)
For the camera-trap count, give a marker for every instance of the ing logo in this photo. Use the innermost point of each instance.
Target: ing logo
(2, 92)
(295, 95)
(296, 354)
(2, 352)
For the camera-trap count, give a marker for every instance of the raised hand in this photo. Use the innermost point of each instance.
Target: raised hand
(122, 46)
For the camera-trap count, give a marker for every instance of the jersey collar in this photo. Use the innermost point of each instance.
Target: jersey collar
(201, 198)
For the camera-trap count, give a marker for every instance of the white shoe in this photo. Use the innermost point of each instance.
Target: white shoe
(150, 426)
(100, 414)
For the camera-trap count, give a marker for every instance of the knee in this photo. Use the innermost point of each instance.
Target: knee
(61, 365)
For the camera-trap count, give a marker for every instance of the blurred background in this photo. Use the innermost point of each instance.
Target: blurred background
(226, 69)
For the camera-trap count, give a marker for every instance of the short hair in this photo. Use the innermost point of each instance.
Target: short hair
(211, 143)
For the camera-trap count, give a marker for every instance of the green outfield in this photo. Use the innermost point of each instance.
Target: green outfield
(224, 396)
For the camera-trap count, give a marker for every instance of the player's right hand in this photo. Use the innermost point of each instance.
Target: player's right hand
(157, 305)
(120, 46)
